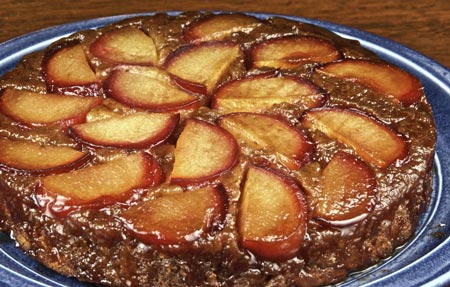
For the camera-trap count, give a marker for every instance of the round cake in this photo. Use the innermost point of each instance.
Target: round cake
(204, 149)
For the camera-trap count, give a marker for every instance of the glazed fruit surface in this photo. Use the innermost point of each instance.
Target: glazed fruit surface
(213, 150)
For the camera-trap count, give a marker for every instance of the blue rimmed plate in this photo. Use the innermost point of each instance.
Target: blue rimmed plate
(424, 261)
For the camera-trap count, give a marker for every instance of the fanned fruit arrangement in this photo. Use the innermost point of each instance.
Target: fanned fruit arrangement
(207, 149)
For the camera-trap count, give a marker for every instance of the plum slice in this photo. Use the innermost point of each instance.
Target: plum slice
(36, 158)
(372, 140)
(127, 45)
(348, 188)
(260, 93)
(35, 109)
(200, 67)
(272, 215)
(178, 217)
(67, 71)
(218, 27)
(292, 51)
(384, 78)
(148, 88)
(98, 185)
(268, 133)
(203, 152)
(132, 131)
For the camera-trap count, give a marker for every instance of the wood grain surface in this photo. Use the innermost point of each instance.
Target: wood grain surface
(422, 25)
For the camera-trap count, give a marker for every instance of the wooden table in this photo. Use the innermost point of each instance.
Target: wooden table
(422, 25)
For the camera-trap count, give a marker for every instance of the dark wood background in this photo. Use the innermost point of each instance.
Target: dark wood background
(422, 25)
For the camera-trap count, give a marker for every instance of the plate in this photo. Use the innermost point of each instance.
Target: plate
(423, 261)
